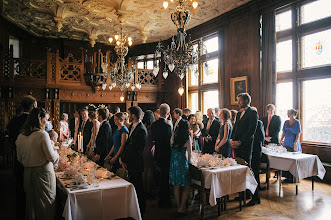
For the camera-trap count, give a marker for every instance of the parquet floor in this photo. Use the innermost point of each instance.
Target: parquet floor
(307, 204)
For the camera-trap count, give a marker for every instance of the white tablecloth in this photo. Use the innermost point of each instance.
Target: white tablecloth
(300, 165)
(115, 198)
(228, 180)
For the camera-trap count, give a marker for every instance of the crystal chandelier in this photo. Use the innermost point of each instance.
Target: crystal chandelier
(180, 54)
(122, 74)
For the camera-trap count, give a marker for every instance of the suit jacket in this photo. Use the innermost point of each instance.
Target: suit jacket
(72, 127)
(258, 142)
(86, 131)
(15, 127)
(274, 128)
(161, 135)
(133, 153)
(181, 134)
(243, 131)
(103, 142)
(209, 147)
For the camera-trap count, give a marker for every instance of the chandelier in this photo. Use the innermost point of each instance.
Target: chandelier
(122, 74)
(181, 53)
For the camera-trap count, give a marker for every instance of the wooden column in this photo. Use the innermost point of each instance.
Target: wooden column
(49, 67)
(56, 113)
(11, 65)
(2, 115)
(48, 106)
(57, 67)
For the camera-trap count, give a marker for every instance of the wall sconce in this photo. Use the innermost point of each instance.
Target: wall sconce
(181, 90)
(122, 98)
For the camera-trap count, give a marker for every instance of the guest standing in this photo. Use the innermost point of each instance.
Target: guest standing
(94, 132)
(199, 119)
(161, 134)
(74, 126)
(210, 132)
(126, 119)
(133, 155)
(195, 131)
(272, 124)
(157, 114)
(14, 128)
(233, 116)
(244, 129)
(85, 128)
(186, 113)
(223, 145)
(64, 126)
(291, 131)
(104, 140)
(35, 152)
(217, 113)
(114, 110)
(179, 170)
(119, 139)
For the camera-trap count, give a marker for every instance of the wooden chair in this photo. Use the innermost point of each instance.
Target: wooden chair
(265, 168)
(198, 183)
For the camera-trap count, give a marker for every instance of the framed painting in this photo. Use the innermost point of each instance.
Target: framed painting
(237, 85)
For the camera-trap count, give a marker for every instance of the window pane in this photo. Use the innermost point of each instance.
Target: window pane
(194, 76)
(316, 49)
(150, 65)
(284, 100)
(284, 56)
(140, 65)
(194, 101)
(315, 11)
(210, 100)
(210, 74)
(211, 45)
(284, 20)
(316, 111)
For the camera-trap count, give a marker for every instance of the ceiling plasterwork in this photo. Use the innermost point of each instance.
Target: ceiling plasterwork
(96, 20)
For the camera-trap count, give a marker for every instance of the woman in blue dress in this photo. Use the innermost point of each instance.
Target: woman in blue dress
(291, 131)
(223, 145)
(179, 170)
(119, 138)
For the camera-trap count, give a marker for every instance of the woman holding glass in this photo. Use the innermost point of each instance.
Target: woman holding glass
(35, 152)
(223, 145)
(119, 138)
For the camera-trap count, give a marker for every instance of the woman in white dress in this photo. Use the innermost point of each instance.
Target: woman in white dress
(35, 152)
(64, 126)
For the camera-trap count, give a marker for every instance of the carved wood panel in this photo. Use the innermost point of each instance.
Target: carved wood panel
(56, 113)
(2, 115)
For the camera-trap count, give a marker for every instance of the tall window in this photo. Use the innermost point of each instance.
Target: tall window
(303, 66)
(203, 79)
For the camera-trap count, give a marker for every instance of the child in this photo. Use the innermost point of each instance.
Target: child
(54, 136)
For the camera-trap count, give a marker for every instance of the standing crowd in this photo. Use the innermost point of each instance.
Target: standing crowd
(141, 144)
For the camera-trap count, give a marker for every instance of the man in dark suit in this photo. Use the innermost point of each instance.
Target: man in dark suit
(186, 113)
(74, 124)
(256, 160)
(133, 154)
(114, 110)
(14, 129)
(272, 125)
(210, 131)
(85, 128)
(244, 129)
(104, 140)
(161, 134)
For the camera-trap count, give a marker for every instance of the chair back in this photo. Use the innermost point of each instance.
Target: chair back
(241, 161)
(196, 176)
(289, 149)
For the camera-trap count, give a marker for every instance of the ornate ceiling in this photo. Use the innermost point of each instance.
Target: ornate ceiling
(97, 20)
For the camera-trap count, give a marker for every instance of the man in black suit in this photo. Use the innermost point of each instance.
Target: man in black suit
(161, 134)
(256, 160)
(14, 129)
(210, 131)
(74, 124)
(133, 154)
(104, 140)
(272, 125)
(85, 128)
(114, 110)
(186, 113)
(244, 129)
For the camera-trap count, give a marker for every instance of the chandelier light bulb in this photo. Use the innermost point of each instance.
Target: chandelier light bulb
(195, 5)
(116, 37)
(181, 90)
(165, 4)
(130, 43)
(110, 39)
(122, 98)
(118, 43)
(129, 38)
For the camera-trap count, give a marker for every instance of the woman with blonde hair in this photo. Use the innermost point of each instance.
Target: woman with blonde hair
(199, 119)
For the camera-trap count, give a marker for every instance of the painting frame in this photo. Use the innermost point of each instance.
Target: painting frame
(238, 85)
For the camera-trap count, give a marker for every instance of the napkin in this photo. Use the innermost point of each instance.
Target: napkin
(89, 165)
(229, 162)
(79, 179)
(100, 173)
(71, 171)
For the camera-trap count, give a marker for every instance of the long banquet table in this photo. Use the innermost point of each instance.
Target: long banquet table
(228, 180)
(112, 199)
(300, 165)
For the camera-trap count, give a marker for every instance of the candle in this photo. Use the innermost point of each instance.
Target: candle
(61, 134)
(80, 142)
